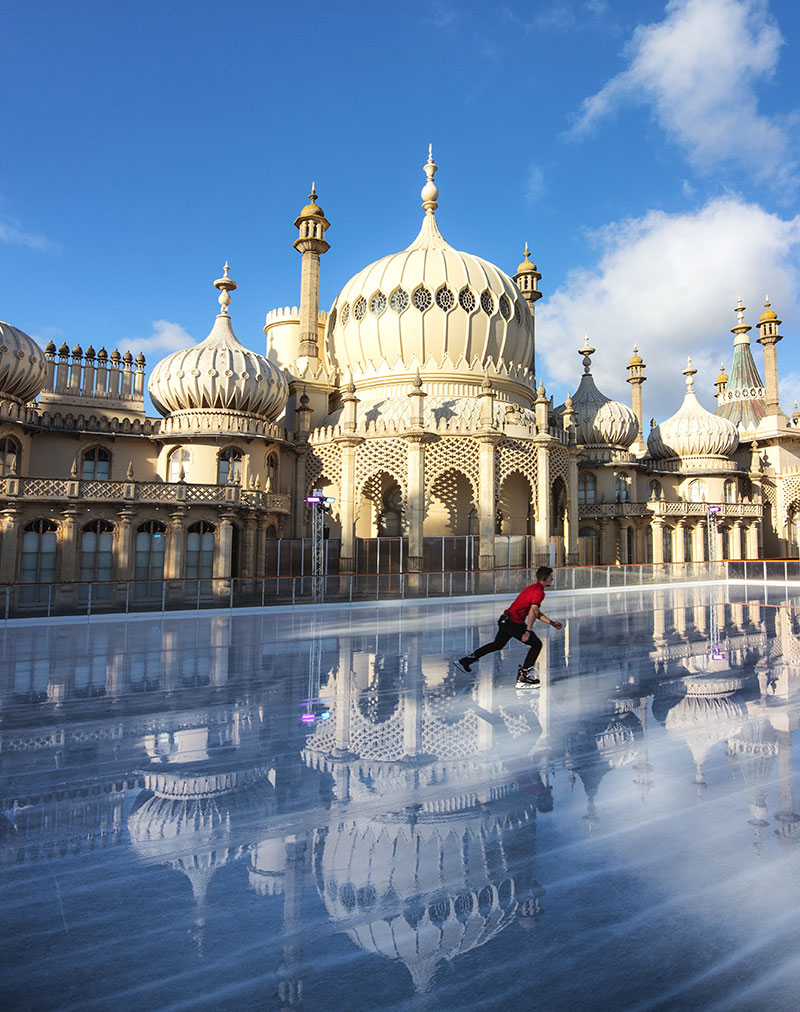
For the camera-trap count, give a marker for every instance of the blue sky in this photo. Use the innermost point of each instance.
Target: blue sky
(646, 151)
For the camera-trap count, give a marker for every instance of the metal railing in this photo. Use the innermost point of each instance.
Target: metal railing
(129, 596)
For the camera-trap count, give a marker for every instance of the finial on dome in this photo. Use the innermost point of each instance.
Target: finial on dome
(430, 192)
(587, 351)
(313, 195)
(226, 285)
(689, 372)
(739, 311)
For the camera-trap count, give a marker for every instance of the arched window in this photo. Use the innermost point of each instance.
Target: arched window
(200, 551)
(272, 473)
(656, 491)
(271, 531)
(150, 544)
(96, 464)
(10, 455)
(648, 545)
(229, 466)
(559, 507)
(687, 543)
(176, 464)
(622, 484)
(629, 545)
(97, 551)
(697, 490)
(587, 488)
(38, 559)
(729, 491)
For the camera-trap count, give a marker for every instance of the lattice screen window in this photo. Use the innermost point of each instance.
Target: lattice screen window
(422, 299)
(360, 308)
(487, 302)
(399, 301)
(466, 300)
(345, 313)
(505, 307)
(377, 304)
(445, 299)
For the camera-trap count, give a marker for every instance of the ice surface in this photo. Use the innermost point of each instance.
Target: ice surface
(173, 835)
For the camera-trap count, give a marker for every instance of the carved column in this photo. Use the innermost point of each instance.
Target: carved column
(735, 539)
(640, 539)
(10, 545)
(125, 555)
(347, 503)
(246, 562)
(658, 540)
(604, 550)
(699, 545)
(487, 506)
(299, 505)
(572, 521)
(543, 529)
(679, 543)
(68, 566)
(260, 560)
(175, 561)
(224, 548)
(415, 505)
(751, 548)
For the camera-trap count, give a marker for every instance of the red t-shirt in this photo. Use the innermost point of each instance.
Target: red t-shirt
(518, 611)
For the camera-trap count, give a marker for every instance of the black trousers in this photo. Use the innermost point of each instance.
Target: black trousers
(507, 630)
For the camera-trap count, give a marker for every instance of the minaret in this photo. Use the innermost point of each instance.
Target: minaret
(768, 325)
(721, 382)
(636, 377)
(312, 225)
(527, 279)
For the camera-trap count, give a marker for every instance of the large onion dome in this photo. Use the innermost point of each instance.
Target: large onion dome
(601, 421)
(692, 431)
(22, 365)
(219, 373)
(430, 307)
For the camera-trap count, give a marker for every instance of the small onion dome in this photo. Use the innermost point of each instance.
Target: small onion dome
(219, 374)
(23, 369)
(526, 267)
(601, 421)
(50, 349)
(636, 358)
(768, 314)
(722, 379)
(692, 431)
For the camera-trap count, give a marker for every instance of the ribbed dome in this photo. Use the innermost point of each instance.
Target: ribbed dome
(22, 365)
(692, 431)
(428, 304)
(219, 373)
(601, 421)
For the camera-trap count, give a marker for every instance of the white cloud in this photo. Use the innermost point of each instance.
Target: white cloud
(166, 338)
(534, 184)
(668, 283)
(698, 69)
(12, 233)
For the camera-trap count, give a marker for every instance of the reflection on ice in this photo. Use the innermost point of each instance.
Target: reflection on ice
(325, 790)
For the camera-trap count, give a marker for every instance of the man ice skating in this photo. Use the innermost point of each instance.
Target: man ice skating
(516, 623)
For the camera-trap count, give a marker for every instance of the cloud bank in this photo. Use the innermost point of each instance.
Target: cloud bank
(165, 338)
(667, 283)
(697, 70)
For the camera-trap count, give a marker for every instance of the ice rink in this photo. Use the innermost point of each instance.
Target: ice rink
(311, 809)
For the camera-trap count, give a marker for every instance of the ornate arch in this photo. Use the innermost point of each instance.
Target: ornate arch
(452, 454)
(381, 456)
(515, 456)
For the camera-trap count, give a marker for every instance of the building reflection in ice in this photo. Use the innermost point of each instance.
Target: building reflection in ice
(410, 819)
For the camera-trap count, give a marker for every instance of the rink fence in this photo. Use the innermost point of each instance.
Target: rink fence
(115, 596)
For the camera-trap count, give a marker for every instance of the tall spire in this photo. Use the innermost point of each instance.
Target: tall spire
(225, 285)
(430, 191)
(587, 351)
(768, 326)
